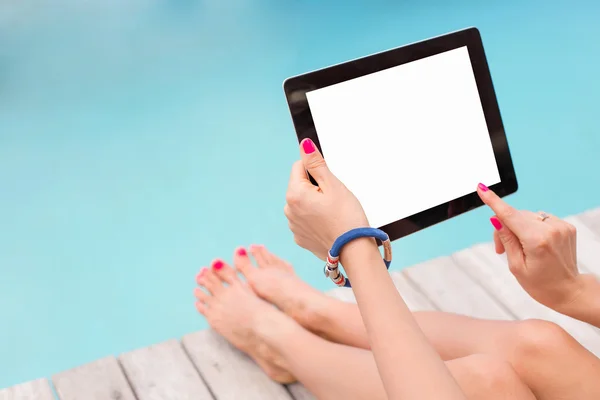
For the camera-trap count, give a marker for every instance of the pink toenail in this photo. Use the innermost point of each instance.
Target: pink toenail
(218, 264)
(241, 251)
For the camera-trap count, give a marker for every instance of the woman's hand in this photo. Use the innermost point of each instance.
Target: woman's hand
(318, 215)
(541, 253)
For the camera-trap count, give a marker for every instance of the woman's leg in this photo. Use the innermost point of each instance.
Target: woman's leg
(334, 371)
(330, 371)
(547, 359)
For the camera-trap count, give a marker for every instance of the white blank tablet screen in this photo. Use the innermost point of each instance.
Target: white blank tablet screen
(407, 138)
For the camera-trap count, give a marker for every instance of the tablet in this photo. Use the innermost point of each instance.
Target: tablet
(410, 131)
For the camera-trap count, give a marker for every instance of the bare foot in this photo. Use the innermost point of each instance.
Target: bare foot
(275, 281)
(246, 321)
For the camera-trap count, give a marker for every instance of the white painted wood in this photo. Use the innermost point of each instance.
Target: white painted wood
(99, 380)
(163, 372)
(588, 246)
(450, 289)
(494, 275)
(342, 293)
(34, 390)
(592, 219)
(299, 392)
(229, 373)
(414, 299)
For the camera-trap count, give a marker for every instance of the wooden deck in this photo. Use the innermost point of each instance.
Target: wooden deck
(203, 365)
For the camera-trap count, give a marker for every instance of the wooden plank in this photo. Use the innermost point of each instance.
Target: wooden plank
(299, 392)
(450, 289)
(229, 373)
(588, 246)
(163, 372)
(494, 275)
(100, 380)
(414, 299)
(592, 219)
(35, 390)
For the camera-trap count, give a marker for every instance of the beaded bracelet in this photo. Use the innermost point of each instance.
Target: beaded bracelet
(332, 270)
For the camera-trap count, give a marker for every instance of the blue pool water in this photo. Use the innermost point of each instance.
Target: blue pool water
(141, 139)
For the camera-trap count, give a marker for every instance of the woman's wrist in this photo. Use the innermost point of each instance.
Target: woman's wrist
(359, 252)
(585, 303)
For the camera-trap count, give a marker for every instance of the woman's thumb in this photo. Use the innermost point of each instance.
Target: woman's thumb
(313, 162)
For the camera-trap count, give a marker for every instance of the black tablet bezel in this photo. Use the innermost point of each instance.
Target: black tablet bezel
(296, 87)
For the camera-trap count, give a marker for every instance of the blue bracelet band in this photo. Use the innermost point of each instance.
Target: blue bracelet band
(332, 270)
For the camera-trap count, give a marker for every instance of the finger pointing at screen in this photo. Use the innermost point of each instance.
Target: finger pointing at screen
(504, 221)
(510, 217)
(541, 251)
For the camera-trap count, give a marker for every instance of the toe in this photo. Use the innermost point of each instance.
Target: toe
(224, 271)
(200, 275)
(279, 262)
(201, 295)
(201, 307)
(211, 282)
(260, 255)
(266, 259)
(242, 262)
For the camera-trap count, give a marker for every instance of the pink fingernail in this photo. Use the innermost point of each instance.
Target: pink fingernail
(483, 187)
(308, 146)
(218, 264)
(241, 251)
(496, 222)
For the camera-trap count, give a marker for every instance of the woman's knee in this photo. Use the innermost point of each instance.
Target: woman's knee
(535, 339)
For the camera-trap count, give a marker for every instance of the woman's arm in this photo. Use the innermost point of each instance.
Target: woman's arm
(409, 366)
(585, 306)
(542, 255)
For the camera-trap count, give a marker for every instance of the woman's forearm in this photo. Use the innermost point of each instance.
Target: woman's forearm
(586, 306)
(409, 366)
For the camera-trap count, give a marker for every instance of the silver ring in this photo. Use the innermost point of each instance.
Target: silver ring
(543, 216)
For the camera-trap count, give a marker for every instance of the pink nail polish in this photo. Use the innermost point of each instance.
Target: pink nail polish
(308, 146)
(496, 222)
(218, 264)
(483, 187)
(241, 251)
